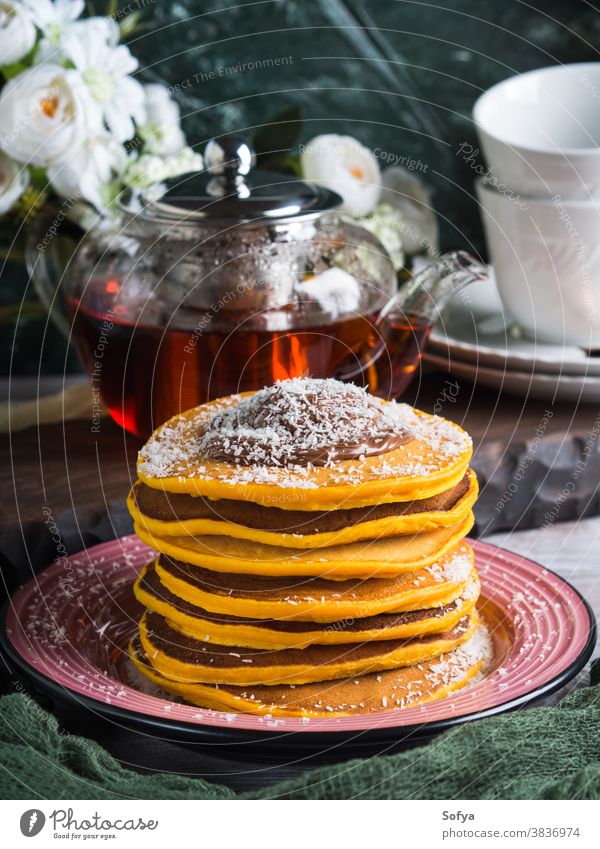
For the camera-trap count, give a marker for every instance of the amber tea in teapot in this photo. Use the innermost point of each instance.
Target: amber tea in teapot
(146, 372)
(226, 280)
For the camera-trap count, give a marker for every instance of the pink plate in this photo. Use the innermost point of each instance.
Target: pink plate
(69, 628)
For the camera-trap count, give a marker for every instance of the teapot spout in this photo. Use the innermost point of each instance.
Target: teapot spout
(428, 292)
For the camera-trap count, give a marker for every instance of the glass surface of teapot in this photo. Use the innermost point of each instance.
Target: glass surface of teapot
(232, 278)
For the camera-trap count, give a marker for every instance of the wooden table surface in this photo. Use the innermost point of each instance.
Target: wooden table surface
(68, 467)
(72, 467)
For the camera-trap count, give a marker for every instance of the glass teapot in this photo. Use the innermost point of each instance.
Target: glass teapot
(232, 278)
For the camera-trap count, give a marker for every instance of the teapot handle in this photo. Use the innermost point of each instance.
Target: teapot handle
(427, 293)
(49, 247)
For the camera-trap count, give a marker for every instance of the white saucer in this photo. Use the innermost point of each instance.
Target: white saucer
(475, 329)
(531, 384)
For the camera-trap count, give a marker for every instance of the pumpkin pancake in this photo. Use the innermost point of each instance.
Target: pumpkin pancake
(382, 558)
(183, 658)
(318, 599)
(292, 634)
(370, 693)
(288, 445)
(175, 514)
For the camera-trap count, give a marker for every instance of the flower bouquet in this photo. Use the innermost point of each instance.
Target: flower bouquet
(76, 126)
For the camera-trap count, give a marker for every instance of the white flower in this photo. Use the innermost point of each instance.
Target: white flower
(150, 169)
(49, 113)
(13, 182)
(405, 193)
(98, 26)
(144, 170)
(146, 174)
(343, 164)
(183, 162)
(52, 18)
(90, 171)
(51, 48)
(105, 70)
(162, 132)
(386, 224)
(336, 291)
(17, 32)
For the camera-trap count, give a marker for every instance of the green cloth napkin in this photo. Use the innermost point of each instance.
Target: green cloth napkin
(540, 753)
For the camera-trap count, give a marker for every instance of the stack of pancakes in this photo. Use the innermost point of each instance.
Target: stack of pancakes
(311, 554)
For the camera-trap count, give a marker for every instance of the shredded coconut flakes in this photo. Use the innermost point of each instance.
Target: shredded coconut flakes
(265, 430)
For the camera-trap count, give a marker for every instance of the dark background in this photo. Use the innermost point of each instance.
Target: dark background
(400, 75)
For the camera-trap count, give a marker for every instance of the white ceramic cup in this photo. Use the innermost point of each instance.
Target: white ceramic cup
(546, 258)
(540, 132)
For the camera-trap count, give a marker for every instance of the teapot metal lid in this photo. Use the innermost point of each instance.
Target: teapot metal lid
(230, 190)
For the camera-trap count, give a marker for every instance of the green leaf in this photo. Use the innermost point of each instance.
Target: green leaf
(38, 177)
(291, 165)
(274, 141)
(10, 71)
(133, 23)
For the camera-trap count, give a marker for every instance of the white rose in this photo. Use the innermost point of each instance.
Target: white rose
(343, 164)
(17, 32)
(88, 172)
(13, 182)
(162, 132)
(46, 113)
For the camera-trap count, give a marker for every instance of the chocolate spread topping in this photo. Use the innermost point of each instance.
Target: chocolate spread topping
(304, 422)
(177, 506)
